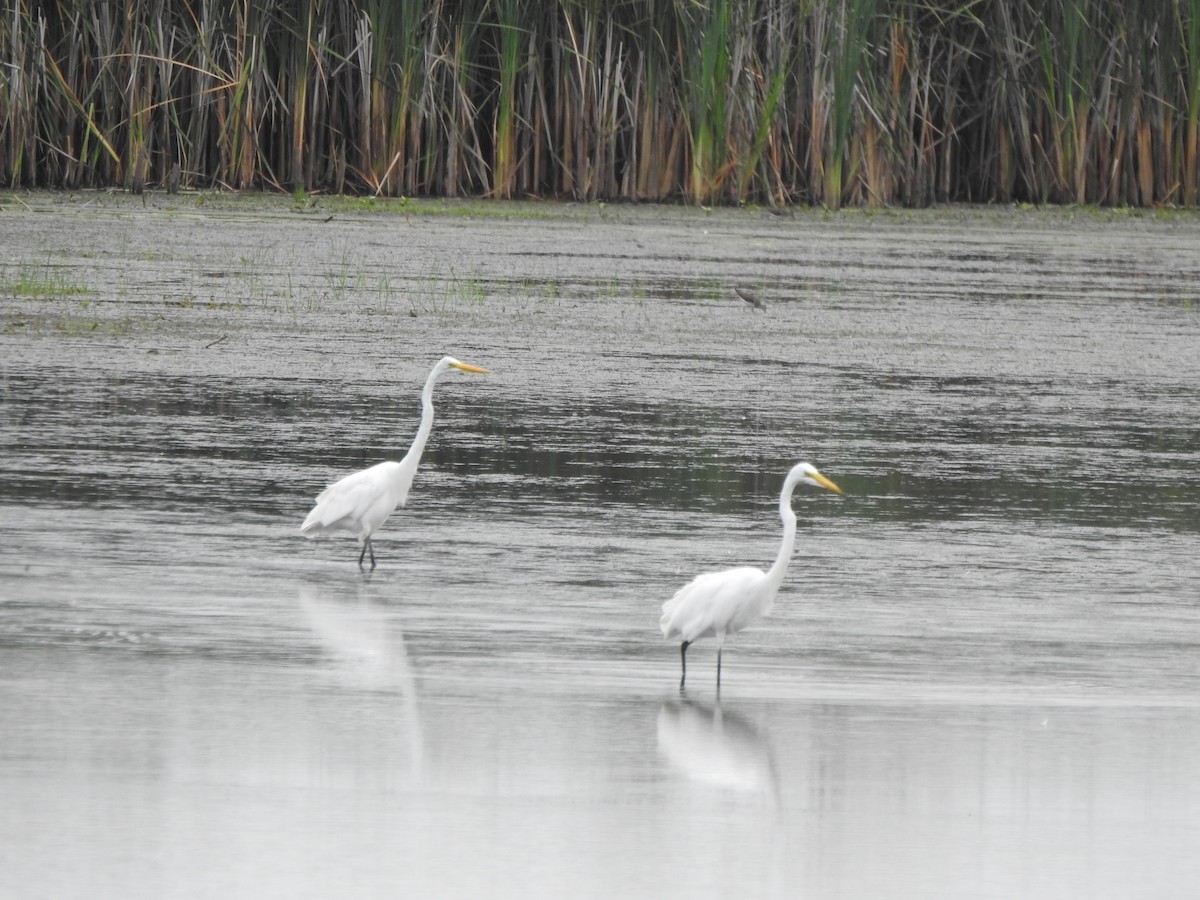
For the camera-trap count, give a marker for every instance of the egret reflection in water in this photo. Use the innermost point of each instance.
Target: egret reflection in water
(366, 650)
(716, 746)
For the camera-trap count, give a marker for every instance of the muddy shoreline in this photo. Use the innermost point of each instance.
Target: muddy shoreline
(185, 273)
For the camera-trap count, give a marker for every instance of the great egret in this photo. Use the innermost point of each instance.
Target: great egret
(716, 604)
(359, 503)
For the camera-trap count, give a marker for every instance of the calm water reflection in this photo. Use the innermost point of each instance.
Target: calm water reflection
(715, 746)
(980, 679)
(216, 777)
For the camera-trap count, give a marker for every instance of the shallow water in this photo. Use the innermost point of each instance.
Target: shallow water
(980, 679)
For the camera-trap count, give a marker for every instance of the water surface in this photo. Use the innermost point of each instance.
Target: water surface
(980, 678)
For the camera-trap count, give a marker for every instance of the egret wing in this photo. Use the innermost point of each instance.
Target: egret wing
(344, 504)
(708, 604)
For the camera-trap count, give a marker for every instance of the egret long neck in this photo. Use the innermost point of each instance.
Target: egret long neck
(779, 569)
(418, 445)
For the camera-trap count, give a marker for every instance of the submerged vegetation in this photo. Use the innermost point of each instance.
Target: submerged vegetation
(829, 102)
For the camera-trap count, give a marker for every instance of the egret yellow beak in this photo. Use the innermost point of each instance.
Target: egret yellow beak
(824, 482)
(467, 367)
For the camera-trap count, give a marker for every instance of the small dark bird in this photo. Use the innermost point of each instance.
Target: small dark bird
(750, 298)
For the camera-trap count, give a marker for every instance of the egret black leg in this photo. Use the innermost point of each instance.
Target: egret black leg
(367, 548)
(718, 670)
(683, 659)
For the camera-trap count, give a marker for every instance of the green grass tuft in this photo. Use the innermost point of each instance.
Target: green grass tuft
(45, 283)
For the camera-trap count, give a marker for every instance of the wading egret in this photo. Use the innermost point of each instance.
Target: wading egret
(716, 604)
(359, 503)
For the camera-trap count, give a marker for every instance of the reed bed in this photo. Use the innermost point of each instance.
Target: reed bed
(829, 102)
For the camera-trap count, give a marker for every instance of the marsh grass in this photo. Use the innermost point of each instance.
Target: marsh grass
(46, 282)
(863, 102)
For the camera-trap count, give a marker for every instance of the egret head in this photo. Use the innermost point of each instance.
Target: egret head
(449, 362)
(804, 472)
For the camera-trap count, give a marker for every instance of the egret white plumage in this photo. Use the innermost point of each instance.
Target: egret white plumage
(717, 604)
(359, 503)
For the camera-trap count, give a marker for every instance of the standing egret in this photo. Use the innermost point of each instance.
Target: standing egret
(360, 502)
(719, 603)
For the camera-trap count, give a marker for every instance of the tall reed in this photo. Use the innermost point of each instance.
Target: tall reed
(709, 101)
